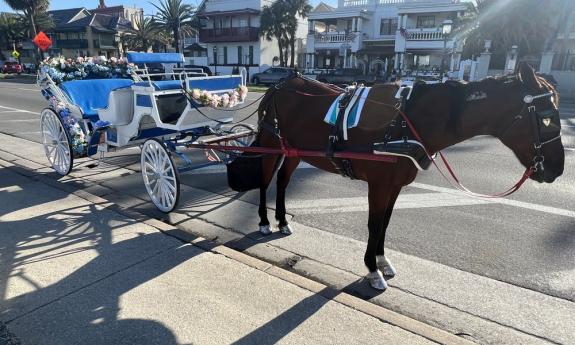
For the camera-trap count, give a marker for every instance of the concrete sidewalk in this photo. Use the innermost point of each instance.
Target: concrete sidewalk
(74, 271)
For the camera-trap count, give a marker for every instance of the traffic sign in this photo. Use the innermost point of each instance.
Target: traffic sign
(15, 54)
(42, 41)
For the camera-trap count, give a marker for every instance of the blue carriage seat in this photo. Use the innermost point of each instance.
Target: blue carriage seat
(224, 83)
(92, 94)
(162, 85)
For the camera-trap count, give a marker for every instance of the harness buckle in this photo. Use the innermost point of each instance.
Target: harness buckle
(538, 163)
(531, 109)
(403, 124)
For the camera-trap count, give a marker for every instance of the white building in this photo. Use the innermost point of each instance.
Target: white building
(231, 33)
(382, 35)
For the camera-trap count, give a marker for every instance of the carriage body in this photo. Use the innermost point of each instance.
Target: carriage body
(88, 116)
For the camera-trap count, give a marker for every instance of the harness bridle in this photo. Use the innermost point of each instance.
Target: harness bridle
(537, 119)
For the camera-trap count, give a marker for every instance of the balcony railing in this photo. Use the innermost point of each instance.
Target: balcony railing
(414, 34)
(71, 44)
(333, 38)
(243, 34)
(357, 3)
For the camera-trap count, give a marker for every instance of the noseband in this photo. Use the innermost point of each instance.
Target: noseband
(540, 121)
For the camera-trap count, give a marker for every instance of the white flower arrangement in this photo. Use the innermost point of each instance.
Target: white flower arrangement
(226, 100)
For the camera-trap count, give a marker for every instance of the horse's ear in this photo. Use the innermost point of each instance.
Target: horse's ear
(527, 75)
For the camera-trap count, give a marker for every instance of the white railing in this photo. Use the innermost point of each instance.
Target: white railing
(393, 2)
(333, 38)
(424, 34)
(355, 3)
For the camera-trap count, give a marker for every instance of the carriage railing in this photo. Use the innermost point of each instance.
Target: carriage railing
(51, 89)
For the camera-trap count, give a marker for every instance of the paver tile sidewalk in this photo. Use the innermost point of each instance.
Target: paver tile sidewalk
(75, 272)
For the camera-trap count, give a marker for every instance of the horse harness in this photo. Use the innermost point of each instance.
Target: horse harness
(401, 147)
(543, 123)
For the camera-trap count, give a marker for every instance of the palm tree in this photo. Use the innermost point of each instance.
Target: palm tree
(273, 22)
(145, 34)
(10, 30)
(174, 16)
(509, 23)
(31, 9)
(295, 9)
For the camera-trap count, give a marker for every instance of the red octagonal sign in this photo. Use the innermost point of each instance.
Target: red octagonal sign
(42, 41)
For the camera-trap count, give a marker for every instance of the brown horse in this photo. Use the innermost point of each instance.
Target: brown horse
(443, 114)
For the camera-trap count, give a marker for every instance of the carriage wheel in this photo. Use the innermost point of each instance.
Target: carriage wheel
(160, 175)
(56, 142)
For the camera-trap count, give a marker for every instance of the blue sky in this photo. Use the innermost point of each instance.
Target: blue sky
(148, 8)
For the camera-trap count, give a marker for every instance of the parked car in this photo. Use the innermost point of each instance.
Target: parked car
(345, 76)
(427, 79)
(206, 69)
(157, 69)
(272, 75)
(12, 67)
(29, 68)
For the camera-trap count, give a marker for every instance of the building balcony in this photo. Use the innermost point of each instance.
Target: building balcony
(105, 44)
(420, 34)
(70, 44)
(371, 3)
(333, 40)
(243, 34)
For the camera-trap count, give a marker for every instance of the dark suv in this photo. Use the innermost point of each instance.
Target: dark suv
(345, 76)
(272, 75)
(155, 68)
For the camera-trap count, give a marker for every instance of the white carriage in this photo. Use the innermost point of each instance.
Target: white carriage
(98, 115)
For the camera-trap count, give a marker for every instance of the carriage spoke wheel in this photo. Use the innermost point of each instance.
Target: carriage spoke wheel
(56, 142)
(160, 175)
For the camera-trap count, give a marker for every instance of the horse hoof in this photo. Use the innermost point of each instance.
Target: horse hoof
(286, 229)
(385, 265)
(265, 229)
(376, 280)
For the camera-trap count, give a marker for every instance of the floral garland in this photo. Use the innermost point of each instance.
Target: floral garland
(62, 69)
(72, 126)
(226, 100)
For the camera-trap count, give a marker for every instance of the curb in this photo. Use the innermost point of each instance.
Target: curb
(385, 315)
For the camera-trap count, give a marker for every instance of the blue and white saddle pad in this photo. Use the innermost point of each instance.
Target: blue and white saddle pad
(352, 112)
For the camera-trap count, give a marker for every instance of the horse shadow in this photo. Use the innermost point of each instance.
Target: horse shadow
(78, 301)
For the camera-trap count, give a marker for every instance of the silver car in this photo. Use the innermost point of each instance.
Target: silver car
(272, 75)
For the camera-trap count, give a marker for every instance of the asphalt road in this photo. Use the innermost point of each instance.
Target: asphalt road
(527, 240)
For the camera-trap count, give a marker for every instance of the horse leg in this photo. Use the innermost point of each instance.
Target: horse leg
(269, 164)
(284, 175)
(383, 262)
(379, 197)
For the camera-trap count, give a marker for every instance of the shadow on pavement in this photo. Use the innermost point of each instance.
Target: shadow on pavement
(54, 247)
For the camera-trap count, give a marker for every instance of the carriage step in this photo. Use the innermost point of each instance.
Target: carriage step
(411, 149)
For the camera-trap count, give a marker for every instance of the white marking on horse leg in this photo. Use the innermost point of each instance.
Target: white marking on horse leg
(385, 265)
(376, 280)
(286, 229)
(265, 229)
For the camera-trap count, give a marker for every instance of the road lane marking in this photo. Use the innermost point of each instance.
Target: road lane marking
(360, 204)
(18, 110)
(509, 202)
(21, 120)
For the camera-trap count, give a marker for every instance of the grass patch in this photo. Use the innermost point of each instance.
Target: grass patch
(16, 76)
(257, 88)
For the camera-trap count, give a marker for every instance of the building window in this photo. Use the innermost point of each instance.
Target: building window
(243, 23)
(240, 54)
(388, 26)
(225, 55)
(426, 21)
(251, 56)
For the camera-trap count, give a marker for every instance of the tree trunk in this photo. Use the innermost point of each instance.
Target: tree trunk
(177, 40)
(292, 43)
(281, 48)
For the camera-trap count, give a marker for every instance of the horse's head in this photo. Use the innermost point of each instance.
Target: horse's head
(534, 132)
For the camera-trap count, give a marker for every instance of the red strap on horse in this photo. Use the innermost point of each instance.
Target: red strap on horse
(528, 172)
